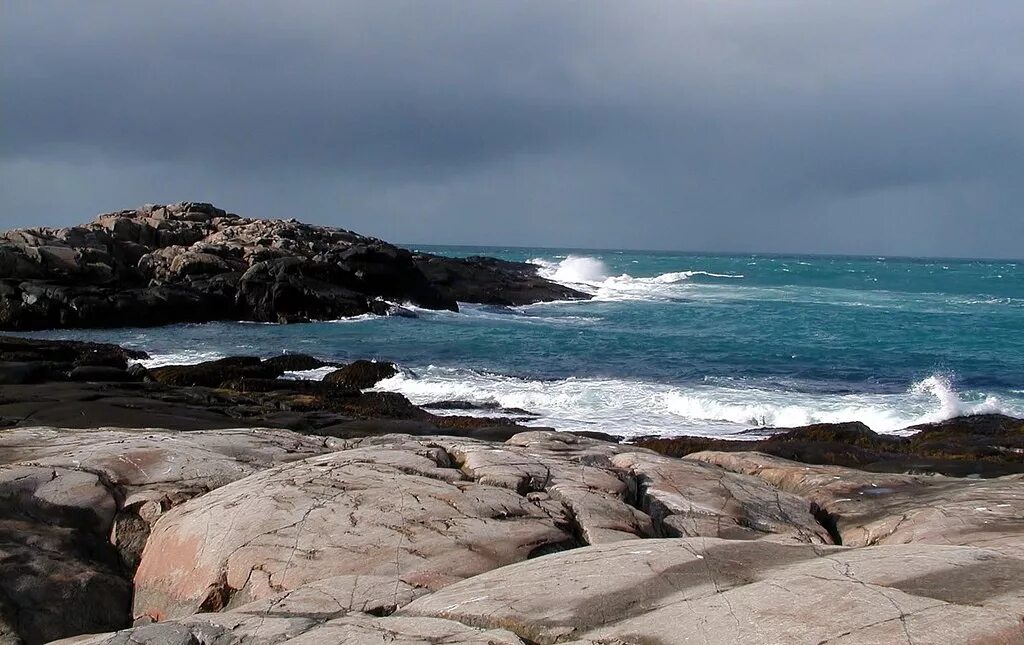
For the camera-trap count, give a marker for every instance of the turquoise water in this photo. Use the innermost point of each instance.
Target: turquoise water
(681, 343)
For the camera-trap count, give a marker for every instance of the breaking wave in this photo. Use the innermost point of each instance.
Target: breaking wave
(636, 408)
(593, 276)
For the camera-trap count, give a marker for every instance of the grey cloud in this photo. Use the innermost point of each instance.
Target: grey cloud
(782, 126)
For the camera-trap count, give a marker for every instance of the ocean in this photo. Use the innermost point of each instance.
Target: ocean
(677, 343)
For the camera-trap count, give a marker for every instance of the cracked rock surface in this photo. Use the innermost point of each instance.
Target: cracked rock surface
(706, 590)
(545, 538)
(881, 508)
(76, 507)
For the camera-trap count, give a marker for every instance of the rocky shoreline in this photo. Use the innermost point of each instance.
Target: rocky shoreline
(194, 262)
(219, 503)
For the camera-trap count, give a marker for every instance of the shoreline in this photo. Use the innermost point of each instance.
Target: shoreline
(474, 530)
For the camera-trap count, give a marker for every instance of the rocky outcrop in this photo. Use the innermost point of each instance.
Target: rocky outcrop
(555, 538)
(867, 509)
(193, 262)
(491, 281)
(546, 538)
(987, 445)
(76, 509)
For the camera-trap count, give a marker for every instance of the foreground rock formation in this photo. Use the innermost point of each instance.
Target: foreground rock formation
(261, 536)
(193, 262)
(381, 522)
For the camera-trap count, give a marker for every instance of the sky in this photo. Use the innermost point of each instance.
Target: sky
(871, 127)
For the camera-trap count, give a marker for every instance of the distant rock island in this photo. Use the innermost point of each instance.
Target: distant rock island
(194, 262)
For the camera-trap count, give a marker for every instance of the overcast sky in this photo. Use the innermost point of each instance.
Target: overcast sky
(867, 126)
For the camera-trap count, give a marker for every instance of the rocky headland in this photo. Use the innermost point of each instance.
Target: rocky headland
(194, 262)
(219, 504)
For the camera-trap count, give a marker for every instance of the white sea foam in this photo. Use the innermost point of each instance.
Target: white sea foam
(184, 357)
(633, 408)
(317, 374)
(592, 276)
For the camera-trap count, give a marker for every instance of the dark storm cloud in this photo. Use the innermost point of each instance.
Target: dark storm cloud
(803, 126)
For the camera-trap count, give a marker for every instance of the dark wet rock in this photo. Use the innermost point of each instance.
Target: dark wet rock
(296, 362)
(100, 373)
(58, 574)
(76, 509)
(988, 445)
(193, 262)
(213, 373)
(20, 373)
(492, 281)
(469, 405)
(74, 353)
(362, 374)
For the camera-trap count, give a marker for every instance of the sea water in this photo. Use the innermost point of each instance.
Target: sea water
(675, 343)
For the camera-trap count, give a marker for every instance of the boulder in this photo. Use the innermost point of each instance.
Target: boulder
(296, 362)
(213, 373)
(362, 374)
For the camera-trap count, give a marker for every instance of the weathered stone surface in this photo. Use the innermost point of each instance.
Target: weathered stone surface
(193, 262)
(878, 508)
(245, 628)
(561, 469)
(399, 510)
(58, 574)
(76, 508)
(691, 499)
(702, 590)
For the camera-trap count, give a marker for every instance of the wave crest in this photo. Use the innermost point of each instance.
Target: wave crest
(633, 408)
(592, 275)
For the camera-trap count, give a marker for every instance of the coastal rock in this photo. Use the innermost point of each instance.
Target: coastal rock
(66, 352)
(401, 506)
(877, 508)
(58, 574)
(705, 590)
(296, 362)
(230, 628)
(691, 499)
(76, 508)
(491, 281)
(193, 262)
(362, 374)
(989, 445)
(213, 373)
(572, 474)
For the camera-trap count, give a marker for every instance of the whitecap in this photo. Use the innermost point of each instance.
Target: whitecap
(712, 408)
(591, 275)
